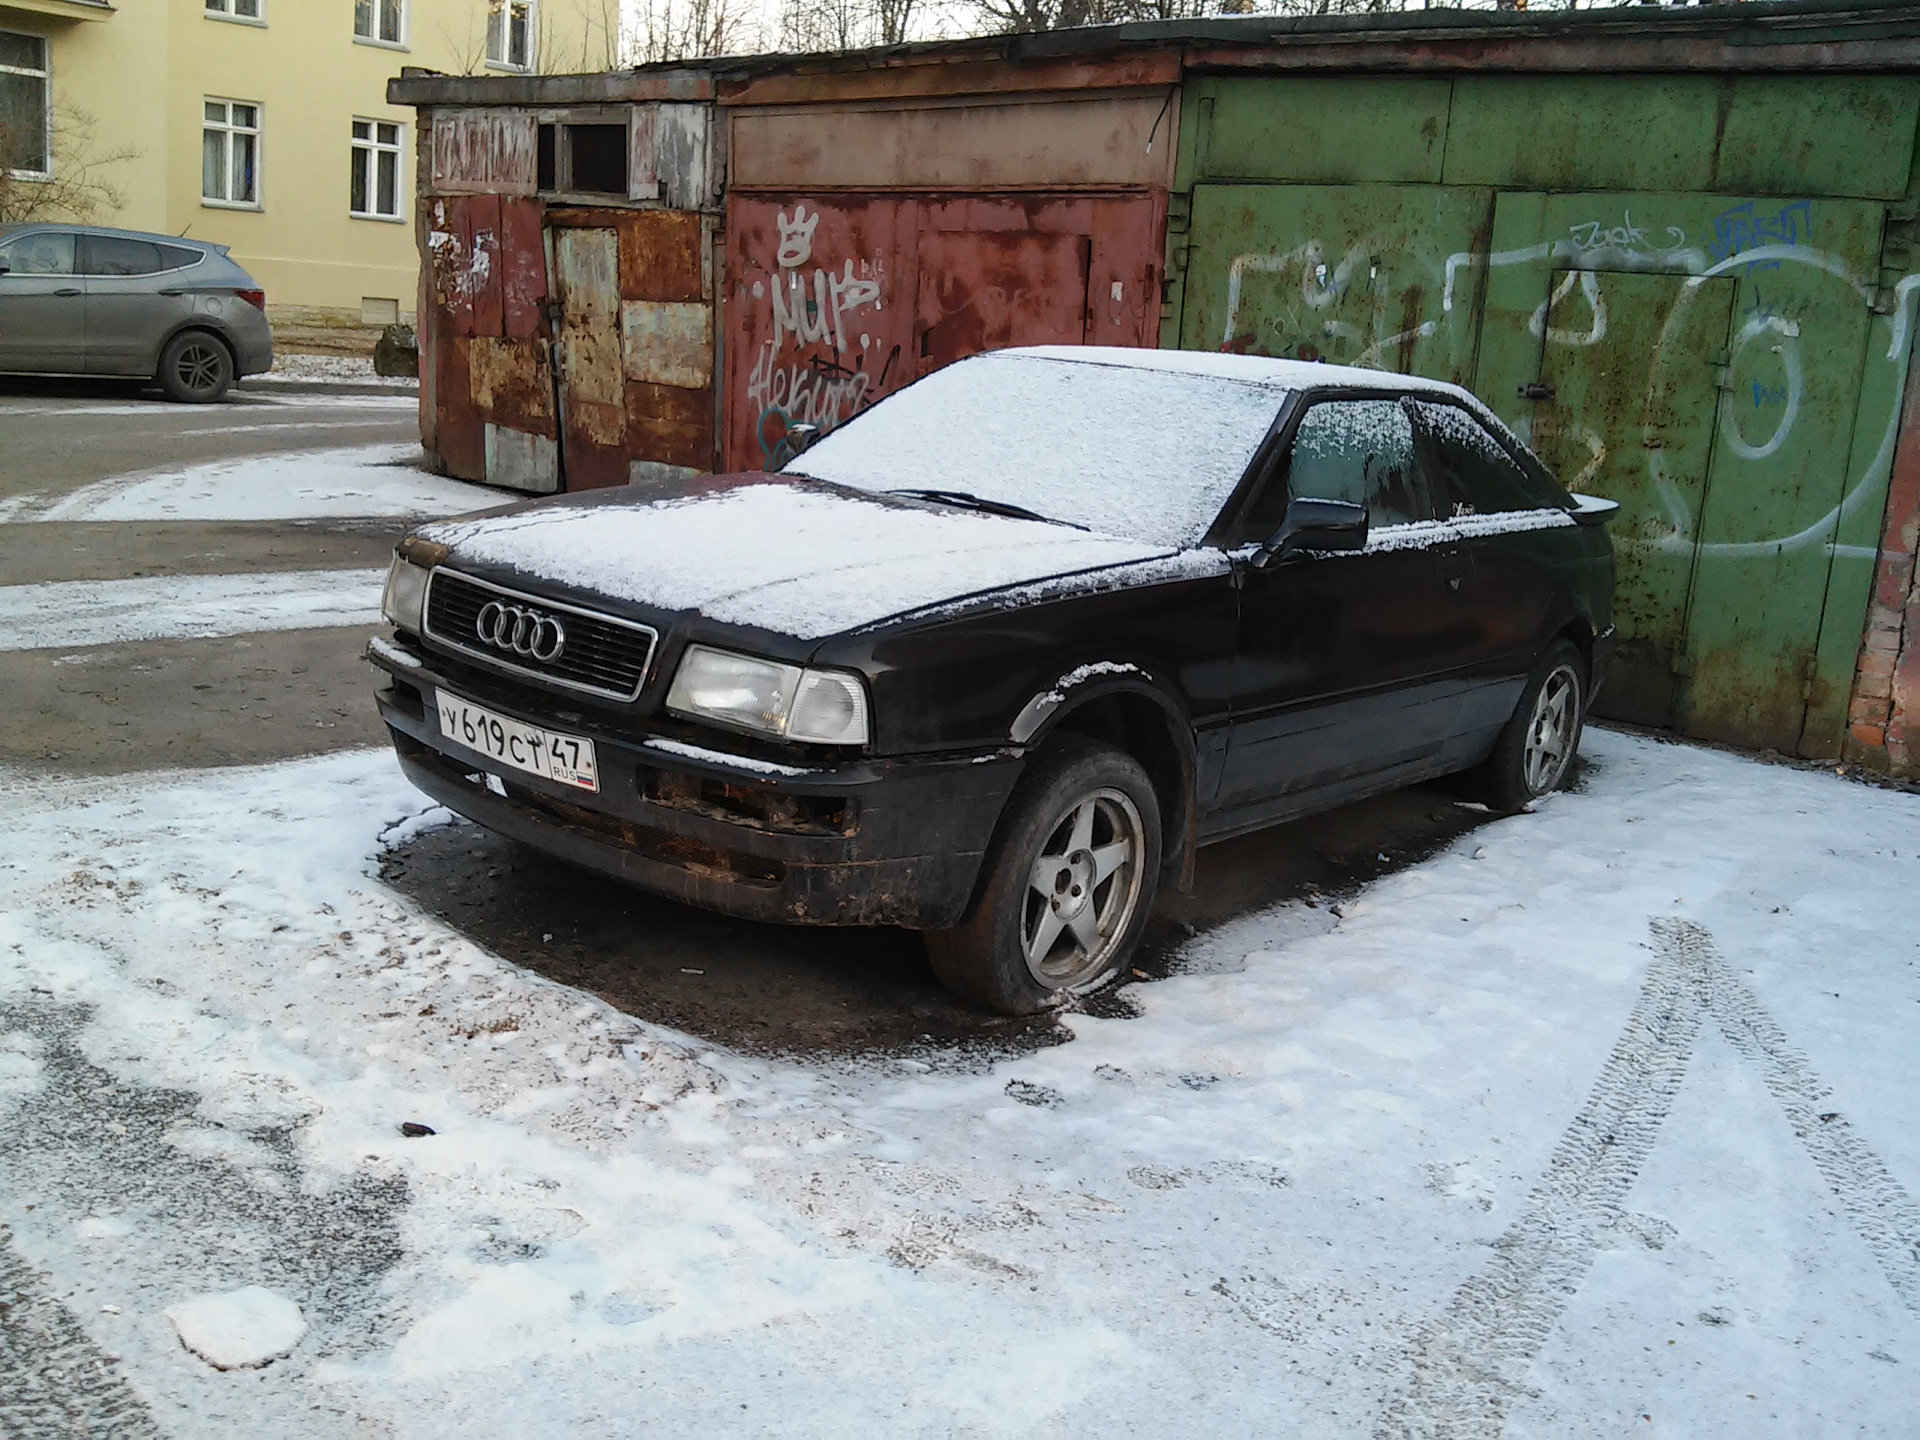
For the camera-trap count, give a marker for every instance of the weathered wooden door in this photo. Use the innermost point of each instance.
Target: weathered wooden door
(593, 410)
(1629, 379)
(988, 290)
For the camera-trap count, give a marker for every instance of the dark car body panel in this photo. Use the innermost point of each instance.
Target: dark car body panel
(1253, 692)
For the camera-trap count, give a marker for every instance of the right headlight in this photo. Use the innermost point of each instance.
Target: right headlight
(788, 702)
(405, 599)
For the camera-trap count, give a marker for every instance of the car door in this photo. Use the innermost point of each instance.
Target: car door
(133, 303)
(42, 304)
(1516, 535)
(1348, 665)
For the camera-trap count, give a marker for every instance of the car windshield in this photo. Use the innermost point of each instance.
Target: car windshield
(1147, 454)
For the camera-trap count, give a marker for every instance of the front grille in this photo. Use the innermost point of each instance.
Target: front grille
(601, 655)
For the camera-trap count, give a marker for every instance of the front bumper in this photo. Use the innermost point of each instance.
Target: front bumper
(861, 842)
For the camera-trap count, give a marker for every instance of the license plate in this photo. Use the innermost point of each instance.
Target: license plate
(566, 758)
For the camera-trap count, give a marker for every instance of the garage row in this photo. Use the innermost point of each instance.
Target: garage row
(1672, 250)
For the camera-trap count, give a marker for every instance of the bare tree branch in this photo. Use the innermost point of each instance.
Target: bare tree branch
(78, 189)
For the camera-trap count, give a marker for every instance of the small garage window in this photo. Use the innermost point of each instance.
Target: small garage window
(597, 159)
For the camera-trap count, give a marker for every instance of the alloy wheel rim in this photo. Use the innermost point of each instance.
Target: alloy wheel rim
(1082, 891)
(198, 368)
(1550, 731)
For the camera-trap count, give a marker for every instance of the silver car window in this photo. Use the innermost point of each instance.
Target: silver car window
(49, 252)
(117, 255)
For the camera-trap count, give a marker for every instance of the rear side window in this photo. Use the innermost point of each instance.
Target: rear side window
(1476, 475)
(1360, 451)
(178, 257)
(114, 255)
(46, 254)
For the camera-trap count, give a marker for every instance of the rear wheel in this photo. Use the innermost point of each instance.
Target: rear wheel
(195, 368)
(1069, 882)
(1535, 752)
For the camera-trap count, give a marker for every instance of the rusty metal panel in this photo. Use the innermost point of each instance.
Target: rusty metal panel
(463, 243)
(660, 255)
(1052, 143)
(1370, 275)
(669, 425)
(985, 290)
(523, 267)
(458, 429)
(519, 460)
(668, 342)
(509, 382)
(592, 386)
(489, 151)
(936, 75)
(682, 140)
(819, 314)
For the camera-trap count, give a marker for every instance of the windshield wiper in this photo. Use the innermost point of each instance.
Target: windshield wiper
(965, 500)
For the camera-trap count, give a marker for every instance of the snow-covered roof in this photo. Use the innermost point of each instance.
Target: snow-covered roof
(1248, 369)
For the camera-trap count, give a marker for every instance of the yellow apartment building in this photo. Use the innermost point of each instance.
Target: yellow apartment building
(262, 125)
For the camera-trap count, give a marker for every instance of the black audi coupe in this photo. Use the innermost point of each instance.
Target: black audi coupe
(993, 657)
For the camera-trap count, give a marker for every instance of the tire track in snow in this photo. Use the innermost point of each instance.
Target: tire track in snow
(1470, 1365)
(53, 1379)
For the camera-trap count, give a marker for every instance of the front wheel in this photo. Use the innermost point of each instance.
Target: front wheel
(1535, 752)
(195, 368)
(1070, 879)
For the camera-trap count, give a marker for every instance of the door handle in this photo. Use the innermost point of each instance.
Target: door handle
(66, 292)
(173, 293)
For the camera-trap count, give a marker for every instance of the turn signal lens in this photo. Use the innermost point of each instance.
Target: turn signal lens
(819, 707)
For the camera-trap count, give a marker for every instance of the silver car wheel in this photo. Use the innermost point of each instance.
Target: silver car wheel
(199, 366)
(1551, 729)
(1082, 891)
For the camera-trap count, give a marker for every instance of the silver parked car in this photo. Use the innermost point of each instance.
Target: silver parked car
(80, 300)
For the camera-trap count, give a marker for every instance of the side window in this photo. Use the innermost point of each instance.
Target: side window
(178, 257)
(1355, 450)
(1476, 476)
(47, 254)
(113, 255)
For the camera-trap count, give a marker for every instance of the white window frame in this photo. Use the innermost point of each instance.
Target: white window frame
(502, 10)
(227, 129)
(229, 10)
(45, 76)
(372, 148)
(373, 14)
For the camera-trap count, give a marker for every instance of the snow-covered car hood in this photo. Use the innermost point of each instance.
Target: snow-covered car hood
(782, 553)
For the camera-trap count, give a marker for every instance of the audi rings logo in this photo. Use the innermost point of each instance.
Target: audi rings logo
(521, 631)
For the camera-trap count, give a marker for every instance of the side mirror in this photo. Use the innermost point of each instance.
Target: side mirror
(1315, 525)
(800, 439)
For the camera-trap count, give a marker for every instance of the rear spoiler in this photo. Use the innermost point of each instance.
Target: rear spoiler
(1592, 510)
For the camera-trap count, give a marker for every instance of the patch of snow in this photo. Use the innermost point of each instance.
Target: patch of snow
(359, 480)
(1080, 674)
(1326, 1159)
(354, 369)
(720, 757)
(1150, 453)
(63, 613)
(239, 1330)
(240, 401)
(798, 559)
(393, 654)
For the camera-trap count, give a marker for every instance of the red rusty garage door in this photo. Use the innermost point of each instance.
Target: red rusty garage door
(838, 302)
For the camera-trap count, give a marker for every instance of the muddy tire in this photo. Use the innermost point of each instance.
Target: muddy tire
(1534, 754)
(195, 368)
(1068, 884)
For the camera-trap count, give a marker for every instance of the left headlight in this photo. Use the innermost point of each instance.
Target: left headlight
(818, 707)
(404, 602)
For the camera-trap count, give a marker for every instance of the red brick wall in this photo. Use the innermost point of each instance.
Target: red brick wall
(1883, 717)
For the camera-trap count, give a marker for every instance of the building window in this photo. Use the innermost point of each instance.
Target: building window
(235, 10)
(230, 154)
(384, 22)
(510, 34)
(24, 107)
(375, 187)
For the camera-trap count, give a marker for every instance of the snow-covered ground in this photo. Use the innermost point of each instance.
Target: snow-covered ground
(1597, 1123)
(361, 480)
(66, 614)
